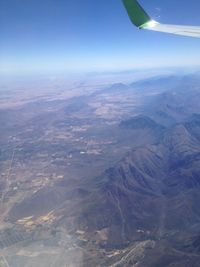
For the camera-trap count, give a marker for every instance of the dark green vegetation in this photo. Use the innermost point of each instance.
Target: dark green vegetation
(108, 177)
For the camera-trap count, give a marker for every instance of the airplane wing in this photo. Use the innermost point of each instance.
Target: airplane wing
(143, 21)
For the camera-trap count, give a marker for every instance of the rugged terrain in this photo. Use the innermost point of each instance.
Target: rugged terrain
(105, 175)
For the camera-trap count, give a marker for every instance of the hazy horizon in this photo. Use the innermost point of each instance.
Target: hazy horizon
(68, 36)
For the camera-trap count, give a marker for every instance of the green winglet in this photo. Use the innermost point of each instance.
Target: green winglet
(136, 13)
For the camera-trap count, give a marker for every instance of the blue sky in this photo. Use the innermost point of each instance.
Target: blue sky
(92, 35)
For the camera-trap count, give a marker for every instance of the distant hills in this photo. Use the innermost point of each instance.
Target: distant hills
(140, 122)
(143, 209)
